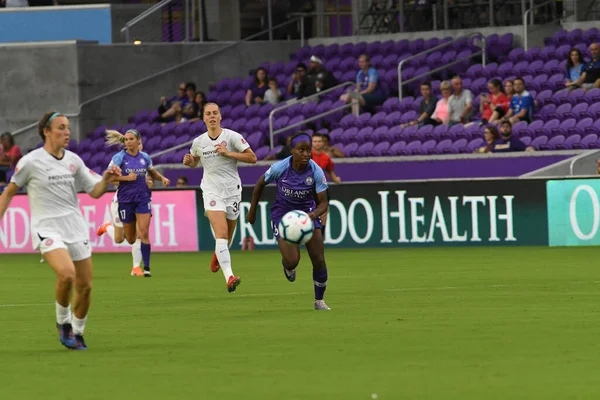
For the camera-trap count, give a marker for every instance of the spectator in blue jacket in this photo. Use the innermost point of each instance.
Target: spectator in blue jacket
(370, 91)
(521, 104)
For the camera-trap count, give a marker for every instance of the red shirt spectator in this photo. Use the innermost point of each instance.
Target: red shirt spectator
(322, 159)
(10, 154)
(496, 99)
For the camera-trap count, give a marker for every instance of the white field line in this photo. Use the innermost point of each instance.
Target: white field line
(407, 289)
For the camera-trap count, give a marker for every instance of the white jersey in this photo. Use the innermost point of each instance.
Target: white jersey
(220, 173)
(52, 187)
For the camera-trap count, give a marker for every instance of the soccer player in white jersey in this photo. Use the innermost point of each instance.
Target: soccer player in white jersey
(53, 176)
(115, 230)
(219, 151)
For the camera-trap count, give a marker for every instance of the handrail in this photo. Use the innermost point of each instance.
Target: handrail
(529, 11)
(302, 100)
(441, 46)
(142, 16)
(150, 77)
(579, 157)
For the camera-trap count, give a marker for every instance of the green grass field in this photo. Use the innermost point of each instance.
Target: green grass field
(501, 323)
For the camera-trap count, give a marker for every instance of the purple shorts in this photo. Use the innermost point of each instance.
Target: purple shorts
(275, 223)
(127, 211)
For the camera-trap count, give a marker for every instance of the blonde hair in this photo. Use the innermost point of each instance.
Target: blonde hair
(115, 137)
(445, 85)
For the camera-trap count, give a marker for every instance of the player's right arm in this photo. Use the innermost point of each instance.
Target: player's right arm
(6, 197)
(19, 179)
(271, 175)
(193, 158)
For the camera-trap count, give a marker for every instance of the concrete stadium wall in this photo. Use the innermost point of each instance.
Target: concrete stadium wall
(36, 77)
(39, 77)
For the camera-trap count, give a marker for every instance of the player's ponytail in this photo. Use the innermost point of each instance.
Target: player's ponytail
(114, 137)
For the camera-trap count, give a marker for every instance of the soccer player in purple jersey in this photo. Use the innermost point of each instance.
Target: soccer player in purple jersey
(300, 181)
(135, 207)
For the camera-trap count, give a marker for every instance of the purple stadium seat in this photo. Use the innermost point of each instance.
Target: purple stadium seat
(594, 129)
(411, 147)
(255, 140)
(569, 142)
(377, 119)
(593, 112)
(460, 146)
(442, 147)
(347, 135)
(364, 149)
(580, 127)
(335, 135)
(363, 135)
(392, 119)
(586, 141)
(560, 111)
(379, 149)
(475, 144)
(552, 143)
(262, 152)
(252, 111)
(395, 149)
(350, 149)
(238, 124)
(539, 141)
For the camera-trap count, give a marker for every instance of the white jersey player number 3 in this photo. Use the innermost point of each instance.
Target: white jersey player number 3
(219, 150)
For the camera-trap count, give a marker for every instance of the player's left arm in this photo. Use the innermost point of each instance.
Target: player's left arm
(154, 174)
(99, 187)
(242, 151)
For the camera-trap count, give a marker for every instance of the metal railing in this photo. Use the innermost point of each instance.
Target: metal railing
(153, 76)
(301, 101)
(529, 13)
(436, 48)
(149, 12)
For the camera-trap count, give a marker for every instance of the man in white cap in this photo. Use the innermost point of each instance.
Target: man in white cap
(317, 74)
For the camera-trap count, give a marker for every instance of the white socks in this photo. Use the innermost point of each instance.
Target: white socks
(222, 251)
(63, 314)
(78, 325)
(136, 253)
(110, 231)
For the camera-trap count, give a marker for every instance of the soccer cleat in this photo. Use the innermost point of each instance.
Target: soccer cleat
(320, 305)
(137, 271)
(80, 343)
(289, 275)
(147, 273)
(214, 264)
(102, 230)
(232, 283)
(65, 334)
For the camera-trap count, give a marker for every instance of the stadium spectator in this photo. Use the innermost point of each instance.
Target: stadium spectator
(495, 105)
(332, 152)
(507, 142)
(256, 92)
(460, 104)
(283, 153)
(521, 104)
(273, 94)
(490, 135)
(297, 80)
(575, 64)
(10, 154)
(320, 77)
(178, 116)
(322, 159)
(198, 104)
(426, 108)
(165, 109)
(182, 181)
(590, 73)
(509, 89)
(370, 91)
(441, 115)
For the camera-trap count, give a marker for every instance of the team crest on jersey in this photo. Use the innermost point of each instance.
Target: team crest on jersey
(244, 141)
(224, 143)
(143, 162)
(309, 180)
(213, 203)
(48, 242)
(72, 168)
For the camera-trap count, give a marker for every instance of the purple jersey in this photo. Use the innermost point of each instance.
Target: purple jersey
(133, 191)
(296, 190)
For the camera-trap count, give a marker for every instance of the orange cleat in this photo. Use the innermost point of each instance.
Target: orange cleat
(232, 283)
(214, 264)
(102, 230)
(137, 271)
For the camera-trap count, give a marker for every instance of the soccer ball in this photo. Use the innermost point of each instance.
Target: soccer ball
(296, 227)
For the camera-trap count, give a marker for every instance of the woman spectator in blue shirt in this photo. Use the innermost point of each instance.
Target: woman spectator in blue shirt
(574, 68)
(370, 91)
(256, 93)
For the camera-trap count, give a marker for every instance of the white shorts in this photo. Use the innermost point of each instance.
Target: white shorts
(230, 205)
(78, 251)
(114, 215)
